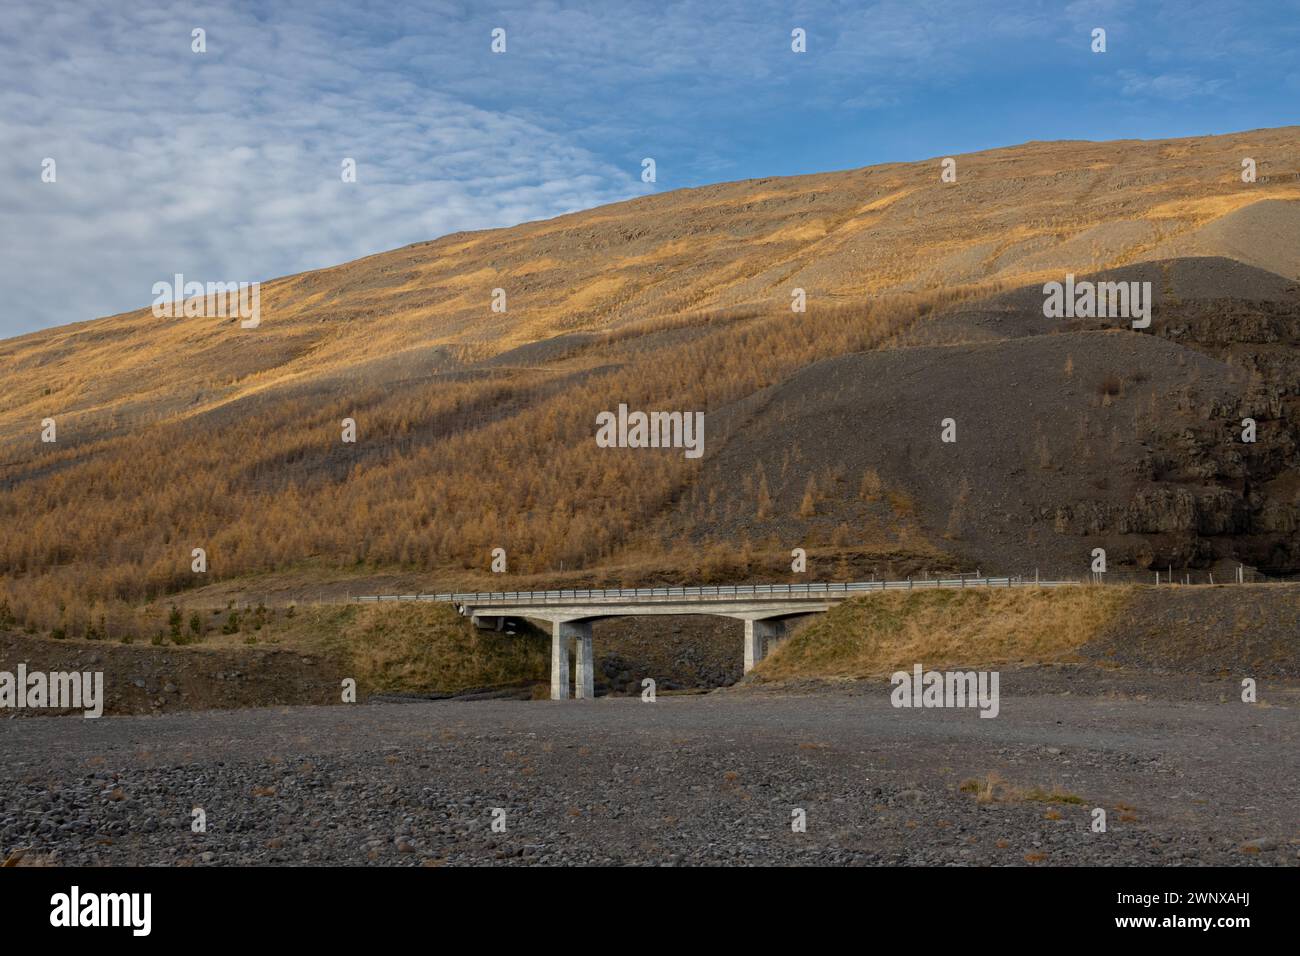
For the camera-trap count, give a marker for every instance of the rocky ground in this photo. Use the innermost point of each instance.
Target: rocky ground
(1187, 775)
(143, 678)
(1251, 631)
(690, 651)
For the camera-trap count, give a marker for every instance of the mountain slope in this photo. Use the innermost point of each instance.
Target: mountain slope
(734, 246)
(475, 428)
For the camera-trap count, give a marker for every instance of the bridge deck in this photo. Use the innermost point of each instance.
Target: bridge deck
(706, 594)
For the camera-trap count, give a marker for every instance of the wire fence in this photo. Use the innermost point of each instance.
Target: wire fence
(1241, 574)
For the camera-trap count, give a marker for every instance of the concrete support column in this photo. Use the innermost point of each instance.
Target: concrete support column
(757, 635)
(563, 632)
(560, 661)
(584, 679)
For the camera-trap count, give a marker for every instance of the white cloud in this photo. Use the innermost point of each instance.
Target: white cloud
(226, 165)
(1170, 86)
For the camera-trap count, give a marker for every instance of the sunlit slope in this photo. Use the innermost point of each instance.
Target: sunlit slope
(1016, 212)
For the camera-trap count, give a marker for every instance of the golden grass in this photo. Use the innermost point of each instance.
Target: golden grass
(1203, 209)
(337, 312)
(993, 789)
(877, 634)
(677, 248)
(595, 292)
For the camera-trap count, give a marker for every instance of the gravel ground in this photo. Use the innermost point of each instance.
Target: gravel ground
(1187, 775)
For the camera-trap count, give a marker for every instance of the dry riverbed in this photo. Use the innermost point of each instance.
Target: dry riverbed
(1186, 773)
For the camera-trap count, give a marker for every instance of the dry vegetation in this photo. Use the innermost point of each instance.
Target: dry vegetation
(876, 635)
(993, 789)
(411, 648)
(431, 648)
(442, 475)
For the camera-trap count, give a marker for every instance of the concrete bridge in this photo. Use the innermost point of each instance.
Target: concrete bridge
(766, 610)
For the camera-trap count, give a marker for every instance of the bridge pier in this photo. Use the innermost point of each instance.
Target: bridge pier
(758, 635)
(584, 677)
(560, 662)
(561, 634)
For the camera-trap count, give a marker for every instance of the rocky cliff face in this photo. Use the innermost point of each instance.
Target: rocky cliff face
(1212, 495)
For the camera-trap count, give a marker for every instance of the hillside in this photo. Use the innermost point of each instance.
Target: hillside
(475, 428)
(1196, 632)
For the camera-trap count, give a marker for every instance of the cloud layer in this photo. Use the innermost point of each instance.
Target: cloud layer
(225, 165)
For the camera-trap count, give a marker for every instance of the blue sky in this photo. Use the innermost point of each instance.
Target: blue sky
(225, 165)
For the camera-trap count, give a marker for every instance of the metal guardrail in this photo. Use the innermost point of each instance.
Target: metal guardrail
(718, 592)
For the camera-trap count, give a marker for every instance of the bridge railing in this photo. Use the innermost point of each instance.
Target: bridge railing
(719, 592)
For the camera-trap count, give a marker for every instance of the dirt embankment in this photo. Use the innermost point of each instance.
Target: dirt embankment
(296, 658)
(143, 680)
(1231, 630)
(395, 651)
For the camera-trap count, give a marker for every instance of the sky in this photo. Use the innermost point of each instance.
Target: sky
(226, 165)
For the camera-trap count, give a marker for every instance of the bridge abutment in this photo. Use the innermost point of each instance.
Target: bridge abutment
(760, 637)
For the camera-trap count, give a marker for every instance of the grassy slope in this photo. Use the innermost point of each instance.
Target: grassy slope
(878, 634)
(408, 647)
